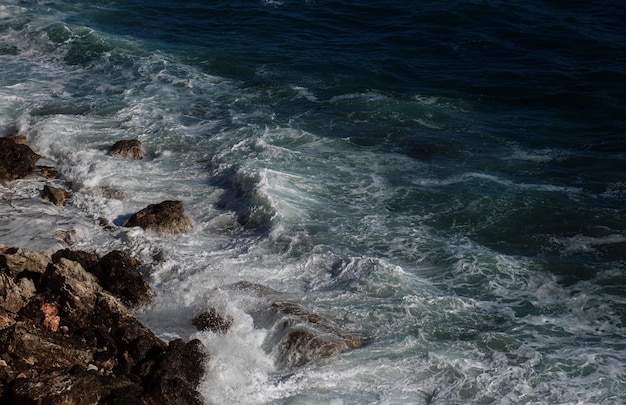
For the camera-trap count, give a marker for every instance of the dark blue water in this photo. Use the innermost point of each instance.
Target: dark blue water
(447, 178)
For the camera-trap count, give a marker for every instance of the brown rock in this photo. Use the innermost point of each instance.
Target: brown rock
(55, 195)
(131, 149)
(15, 261)
(87, 260)
(302, 336)
(177, 373)
(119, 273)
(16, 160)
(58, 388)
(47, 172)
(101, 353)
(213, 321)
(12, 298)
(298, 335)
(168, 216)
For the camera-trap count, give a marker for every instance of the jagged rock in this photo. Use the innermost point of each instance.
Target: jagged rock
(177, 372)
(58, 388)
(19, 139)
(16, 160)
(213, 321)
(14, 295)
(119, 273)
(18, 261)
(47, 172)
(168, 216)
(55, 195)
(87, 260)
(130, 149)
(302, 336)
(297, 335)
(74, 342)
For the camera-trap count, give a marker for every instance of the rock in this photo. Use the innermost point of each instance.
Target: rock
(176, 374)
(70, 341)
(131, 149)
(119, 273)
(13, 296)
(212, 321)
(87, 260)
(168, 216)
(47, 172)
(297, 335)
(17, 261)
(55, 195)
(16, 160)
(58, 388)
(302, 336)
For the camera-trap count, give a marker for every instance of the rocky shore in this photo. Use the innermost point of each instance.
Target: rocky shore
(68, 330)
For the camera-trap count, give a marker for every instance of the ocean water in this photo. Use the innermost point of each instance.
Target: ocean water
(445, 179)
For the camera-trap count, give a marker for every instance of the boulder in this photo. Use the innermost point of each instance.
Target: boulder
(212, 321)
(297, 334)
(130, 149)
(302, 336)
(17, 160)
(168, 216)
(176, 373)
(55, 195)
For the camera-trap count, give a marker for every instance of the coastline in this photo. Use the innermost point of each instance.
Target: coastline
(68, 325)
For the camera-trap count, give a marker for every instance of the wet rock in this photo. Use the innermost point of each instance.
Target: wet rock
(55, 195)
(297, 334)
(168, 216)
(177, 372)
(47, 172)
(130, 149)
(119, 273)
(73, 342)
(16, 160)
(212, 321)
(58, 388)
(302, 336)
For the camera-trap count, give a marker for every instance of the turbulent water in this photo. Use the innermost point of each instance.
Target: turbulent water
(446, 179)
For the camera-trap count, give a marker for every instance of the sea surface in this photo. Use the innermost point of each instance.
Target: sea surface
(446, 179)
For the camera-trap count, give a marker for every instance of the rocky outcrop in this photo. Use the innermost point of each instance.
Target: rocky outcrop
(130, 149)
(17, 160)
(64, 339)
(55, 195)
(168, 216)
(297, 335)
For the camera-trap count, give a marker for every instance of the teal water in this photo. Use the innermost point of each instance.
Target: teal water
(444, 179)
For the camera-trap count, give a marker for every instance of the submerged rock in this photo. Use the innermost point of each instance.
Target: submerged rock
(168, 216)
(302, 336)
(297, 334)
(16, 160)
(211, 320)
(55, 195)
(130, 149)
